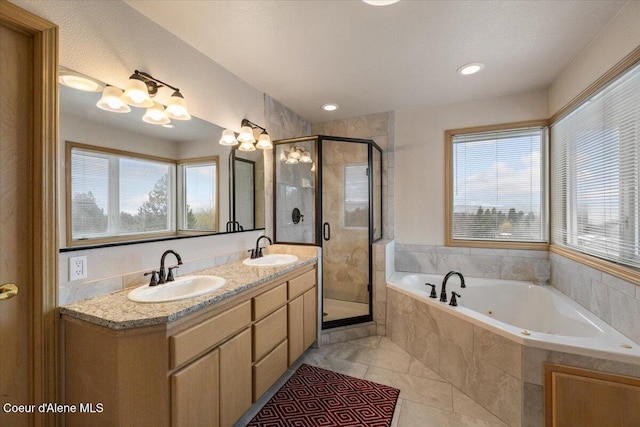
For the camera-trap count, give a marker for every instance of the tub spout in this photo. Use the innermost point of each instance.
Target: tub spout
(443, 290)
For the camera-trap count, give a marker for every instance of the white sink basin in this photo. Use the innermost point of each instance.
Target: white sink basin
(272, 260)
(182, 288)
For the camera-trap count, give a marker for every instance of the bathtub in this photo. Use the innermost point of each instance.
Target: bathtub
(495, 344)
(532, 315)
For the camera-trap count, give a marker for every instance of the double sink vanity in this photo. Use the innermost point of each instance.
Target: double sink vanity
(195, 351)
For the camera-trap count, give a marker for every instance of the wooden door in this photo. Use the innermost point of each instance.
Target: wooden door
(310, 317)
(15, 221)
(586, 398)
(235, 378)
(28, 229)
(195, 393)
(296, 329)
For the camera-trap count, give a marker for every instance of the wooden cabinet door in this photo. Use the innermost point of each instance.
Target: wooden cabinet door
(310, 317)
(195, 393)
(235, 378)
(582, 397)
(295, 316)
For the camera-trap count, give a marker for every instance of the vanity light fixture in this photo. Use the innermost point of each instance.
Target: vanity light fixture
(111, 100)
(330, 106)
(471, 68)
(79, 81)
(246, 137)
(139, 92)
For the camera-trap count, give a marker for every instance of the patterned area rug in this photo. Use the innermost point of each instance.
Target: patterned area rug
(316, 397)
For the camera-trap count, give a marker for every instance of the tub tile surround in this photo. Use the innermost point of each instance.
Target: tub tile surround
(614, 300)
(471, 359)
(528, 265)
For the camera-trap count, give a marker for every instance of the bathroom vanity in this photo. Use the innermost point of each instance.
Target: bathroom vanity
(201, 361)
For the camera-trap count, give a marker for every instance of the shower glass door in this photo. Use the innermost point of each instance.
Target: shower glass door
(345, 231)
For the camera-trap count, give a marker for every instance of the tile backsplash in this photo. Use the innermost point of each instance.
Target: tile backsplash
(614, 300)
(528, 265)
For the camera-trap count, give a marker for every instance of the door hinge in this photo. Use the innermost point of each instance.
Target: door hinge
(369, 287)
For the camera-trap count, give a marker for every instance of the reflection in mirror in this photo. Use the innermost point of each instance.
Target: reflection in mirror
(247, 189)
(82, 122)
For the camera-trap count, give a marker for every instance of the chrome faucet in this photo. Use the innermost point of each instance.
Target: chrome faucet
(169, 277)
(443, 290)
(257, 252)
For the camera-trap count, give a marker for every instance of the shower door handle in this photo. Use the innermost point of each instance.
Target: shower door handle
(326, 231)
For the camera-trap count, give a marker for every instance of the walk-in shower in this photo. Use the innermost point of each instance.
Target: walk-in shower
(328, 192)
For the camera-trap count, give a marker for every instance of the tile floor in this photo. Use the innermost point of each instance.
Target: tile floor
(426, 399)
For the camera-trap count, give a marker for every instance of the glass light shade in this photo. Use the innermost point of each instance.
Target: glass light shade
(305, 157)
(291, 161)
(136, 93)
(313, 167)
(228, 138)
(111, 100)
(295, 153)
(155, 115)
(264, 142)
(177, 108)
(283, 157)
(247, 146)
(246, 135)
(78, 81)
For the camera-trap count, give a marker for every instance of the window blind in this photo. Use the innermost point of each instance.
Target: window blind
(595, 169)
(497, 186)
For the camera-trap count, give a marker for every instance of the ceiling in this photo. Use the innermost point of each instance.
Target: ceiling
(371, 59)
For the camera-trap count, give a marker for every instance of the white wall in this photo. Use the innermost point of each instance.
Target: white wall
(616, 41)
(419, 157)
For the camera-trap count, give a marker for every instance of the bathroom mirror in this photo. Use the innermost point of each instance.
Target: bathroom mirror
(82, 123)
(247, 189)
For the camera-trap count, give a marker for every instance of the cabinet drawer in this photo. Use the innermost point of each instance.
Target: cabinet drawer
(195, 340)
(268, 370)
(298, 285)
(268, 332)
(269, 301)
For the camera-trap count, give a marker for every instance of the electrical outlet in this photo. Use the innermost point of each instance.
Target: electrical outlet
(77, 268)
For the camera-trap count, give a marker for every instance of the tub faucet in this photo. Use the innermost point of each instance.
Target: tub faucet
(169, 277)
(257, 252)
(443, 290)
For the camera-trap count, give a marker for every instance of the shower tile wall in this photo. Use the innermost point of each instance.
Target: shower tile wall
(281, 123)
(379, 128)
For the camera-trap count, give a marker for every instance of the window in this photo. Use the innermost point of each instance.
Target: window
(200, 196)
(595, 174)
(356, 196)
(495, 187)
(116, 195)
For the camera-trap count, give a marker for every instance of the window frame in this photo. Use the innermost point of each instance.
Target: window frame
(181, 187)
(610, 267)
(449, 169)
(176, 197)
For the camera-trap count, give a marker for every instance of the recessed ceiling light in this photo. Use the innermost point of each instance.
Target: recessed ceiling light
(380, 2)
(168, 125)
(471, 68)
(329, 107)
(79, 81)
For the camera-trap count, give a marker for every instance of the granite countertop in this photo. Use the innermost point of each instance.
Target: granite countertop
(116, 311)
